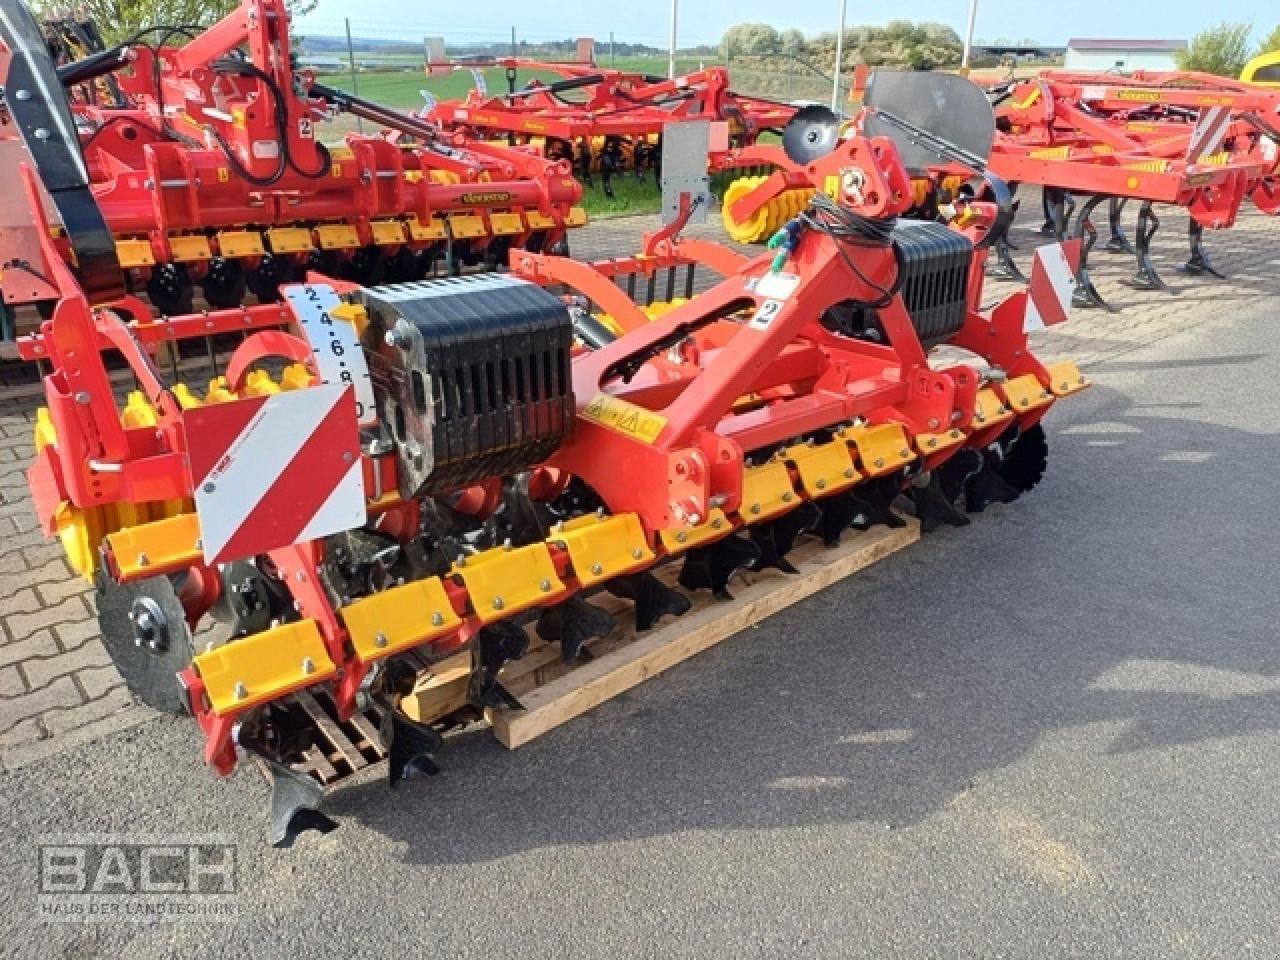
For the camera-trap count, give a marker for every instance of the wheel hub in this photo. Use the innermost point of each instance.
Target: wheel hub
(150, 628)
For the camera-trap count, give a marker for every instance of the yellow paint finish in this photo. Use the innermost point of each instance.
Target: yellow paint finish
(387, 232)
(162, 546)
(989, 410)
(824, 468)
(1025, 393)
(264, 666)
(1065, 378)
(679, 539)
(467, 226)
(431, 231)
(881, 449)
(501, 582)
(240, 243)
(135, 253)
(189, 248)
(337, 236)
(601, 548)
(284, 240)
(399, 619)
(506, 224)
(766, 491)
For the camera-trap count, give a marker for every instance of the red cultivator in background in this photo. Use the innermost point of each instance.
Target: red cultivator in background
(601, 119)
(205, 162)
(386, 475)
(1199, 142)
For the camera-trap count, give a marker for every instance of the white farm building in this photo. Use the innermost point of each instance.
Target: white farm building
(1124, 56)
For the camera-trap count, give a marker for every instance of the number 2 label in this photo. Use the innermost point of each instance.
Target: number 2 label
(765, 314)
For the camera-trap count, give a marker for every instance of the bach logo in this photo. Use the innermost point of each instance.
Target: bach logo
(120, 878)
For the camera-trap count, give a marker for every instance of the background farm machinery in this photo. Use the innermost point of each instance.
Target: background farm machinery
(1202, 143)
(383, 475)
(1199, 142)
(604, 121)
(203, 150)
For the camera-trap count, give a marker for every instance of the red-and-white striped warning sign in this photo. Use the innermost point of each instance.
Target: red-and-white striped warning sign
(1211, 128)
(1053, 281)
(276, 470)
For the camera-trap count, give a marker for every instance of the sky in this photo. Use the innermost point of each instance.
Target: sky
(1052, 22)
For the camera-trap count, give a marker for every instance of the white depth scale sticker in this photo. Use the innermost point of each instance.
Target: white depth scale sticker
(339, 356)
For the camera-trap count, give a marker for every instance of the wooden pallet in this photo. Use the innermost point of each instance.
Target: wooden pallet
(552, 693)
(340, 750)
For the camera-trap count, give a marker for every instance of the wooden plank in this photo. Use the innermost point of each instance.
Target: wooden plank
(371, 734)
(576, 692)
(339, 740)
(315, 762)
(440, 689)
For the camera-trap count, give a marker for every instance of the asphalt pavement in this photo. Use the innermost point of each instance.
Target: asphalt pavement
(1054, 733)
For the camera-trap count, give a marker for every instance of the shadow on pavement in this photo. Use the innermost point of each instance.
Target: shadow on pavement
(1123, 590)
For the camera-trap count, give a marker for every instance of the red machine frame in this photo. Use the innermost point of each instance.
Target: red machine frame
(740, 369)
(214, 164)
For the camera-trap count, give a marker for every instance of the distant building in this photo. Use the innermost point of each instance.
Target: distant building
(1121, 55)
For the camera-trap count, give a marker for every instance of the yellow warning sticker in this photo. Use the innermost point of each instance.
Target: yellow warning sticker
(625, 417)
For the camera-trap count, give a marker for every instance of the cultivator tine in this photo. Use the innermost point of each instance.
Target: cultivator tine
(775, 538)
(1117, 242)
(410, 745)
(411, 748)
(874, 503)
(713, 566)
(295, 795)
(572, 623)
(1086, 294)
(1011, 466)
(1046, 205)
(1198, 263)
(1004, 267)
(1148, 223)
(653, 599)
(493, 647)
(839, 513)
(1059, 206)
(986, 486)
(935, 499)
(295, 799)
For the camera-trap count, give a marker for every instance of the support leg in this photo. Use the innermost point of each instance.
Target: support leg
(1086, 294)
(1148, 223)
(1002, 266)
(1117, 242)
(1198, 263)
(1046, 204)
(1058, 208)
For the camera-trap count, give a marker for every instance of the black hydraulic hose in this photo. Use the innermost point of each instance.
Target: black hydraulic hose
(376, 113)
(93, 66)
(592, 332)
(559, 86)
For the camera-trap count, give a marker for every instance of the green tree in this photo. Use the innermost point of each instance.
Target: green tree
(792, 42)
(1271, 42)
(751, 39)
(120, 19)
(1222, 50)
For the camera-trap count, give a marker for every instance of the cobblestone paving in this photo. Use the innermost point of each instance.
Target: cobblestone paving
(57, 686)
